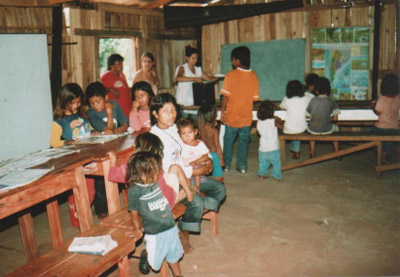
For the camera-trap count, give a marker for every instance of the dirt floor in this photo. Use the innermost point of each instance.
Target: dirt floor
(335, 218)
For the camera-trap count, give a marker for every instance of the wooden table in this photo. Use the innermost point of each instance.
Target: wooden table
(68, 174)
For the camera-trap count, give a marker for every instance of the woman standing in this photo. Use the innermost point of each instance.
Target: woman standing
(187, 74)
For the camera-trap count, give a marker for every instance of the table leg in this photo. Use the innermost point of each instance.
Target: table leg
(282, 150)
(82, 201)
(112, 191)
(28, 236)
(53, 215)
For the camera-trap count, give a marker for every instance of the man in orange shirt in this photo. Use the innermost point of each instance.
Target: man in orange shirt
(240, 90)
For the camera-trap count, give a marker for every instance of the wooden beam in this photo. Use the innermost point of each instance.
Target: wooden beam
(375, 55)
(155, 4)
(123, 9)
(105, 33)
(56, 51)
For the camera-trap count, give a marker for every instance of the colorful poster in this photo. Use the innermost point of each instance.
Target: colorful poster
(342, 56)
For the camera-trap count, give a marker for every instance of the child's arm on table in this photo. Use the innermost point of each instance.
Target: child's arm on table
(137, 224)
(278, 122)
(110, 119)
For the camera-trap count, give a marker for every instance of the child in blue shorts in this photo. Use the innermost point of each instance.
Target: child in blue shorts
(147, 201)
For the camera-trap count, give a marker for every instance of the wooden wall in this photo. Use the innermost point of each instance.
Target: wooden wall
(80, 62)
(298, 24)
(80, 40)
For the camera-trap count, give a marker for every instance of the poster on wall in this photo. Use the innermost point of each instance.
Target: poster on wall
(342, 56)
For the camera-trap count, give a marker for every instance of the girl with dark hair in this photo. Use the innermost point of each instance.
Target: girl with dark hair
(139, 117)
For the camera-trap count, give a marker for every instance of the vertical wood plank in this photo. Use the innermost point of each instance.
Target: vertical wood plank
(53, 216)
(112, 191)
(28, 236)
(82, 201)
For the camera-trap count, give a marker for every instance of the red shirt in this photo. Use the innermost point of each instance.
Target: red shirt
(110, 80)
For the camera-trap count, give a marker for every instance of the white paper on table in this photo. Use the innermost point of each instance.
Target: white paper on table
(19, 177)
(99, 245)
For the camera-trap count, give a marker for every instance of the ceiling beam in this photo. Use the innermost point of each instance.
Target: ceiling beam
(177, 17)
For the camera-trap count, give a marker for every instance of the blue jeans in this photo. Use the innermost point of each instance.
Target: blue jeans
(217, 169)
(215, 192)
(270, 158)
(229, 139)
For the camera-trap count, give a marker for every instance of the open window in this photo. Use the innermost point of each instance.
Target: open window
(123, 46)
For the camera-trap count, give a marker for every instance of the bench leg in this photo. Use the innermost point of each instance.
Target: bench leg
(312, 148)
(123, 267)
(282, 151)
(213, 217)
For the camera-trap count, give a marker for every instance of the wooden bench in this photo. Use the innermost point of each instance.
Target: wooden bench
(122, 219)
(365, 139)
(60, 262)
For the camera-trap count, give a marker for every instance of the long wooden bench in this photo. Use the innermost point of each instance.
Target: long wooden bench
(60, 262)
(122, 219)
(365, 139)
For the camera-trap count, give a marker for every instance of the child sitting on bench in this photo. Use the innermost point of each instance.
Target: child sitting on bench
(387, 108)
(321, 110)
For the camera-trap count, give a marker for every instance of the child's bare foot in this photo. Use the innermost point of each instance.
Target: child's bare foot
(262, 178)
(184, 236)
(277, 180)
(296, 155)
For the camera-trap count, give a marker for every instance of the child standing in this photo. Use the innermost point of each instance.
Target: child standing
(139, 117)
(240, 89)
(70, 124)
(156, 219)
(207, 122)
(387, 108)
(268, 152)
(322, 110)
(295, 105)
(194, 152)
(106, 116)
(148, 72)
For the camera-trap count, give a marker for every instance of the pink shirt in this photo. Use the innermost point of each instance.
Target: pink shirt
(139, 119)
(110, 80)
(388, 109)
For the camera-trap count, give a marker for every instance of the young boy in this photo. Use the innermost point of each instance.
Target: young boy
(147, 201)
(105, 115)
(321, 111)
(240, 90)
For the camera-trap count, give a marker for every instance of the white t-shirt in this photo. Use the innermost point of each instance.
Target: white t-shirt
(173, 144)
(295, 121)
(184, 90)
(269, 135)
(191, 153)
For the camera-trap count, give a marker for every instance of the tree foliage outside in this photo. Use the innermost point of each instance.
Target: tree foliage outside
(122, 46)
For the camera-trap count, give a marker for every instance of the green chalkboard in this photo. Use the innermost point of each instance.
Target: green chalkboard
(275, 62)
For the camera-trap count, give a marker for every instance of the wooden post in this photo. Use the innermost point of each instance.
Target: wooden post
(375, 58)
(56, 52)
(82, 201)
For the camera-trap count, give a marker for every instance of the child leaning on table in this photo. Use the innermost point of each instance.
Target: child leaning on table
(147, 201)
(208, 133)
(387, 108)
(268, 152)
(69, 125)
(106, 116)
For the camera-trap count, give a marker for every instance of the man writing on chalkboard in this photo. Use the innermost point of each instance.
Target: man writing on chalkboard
(239, 90)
